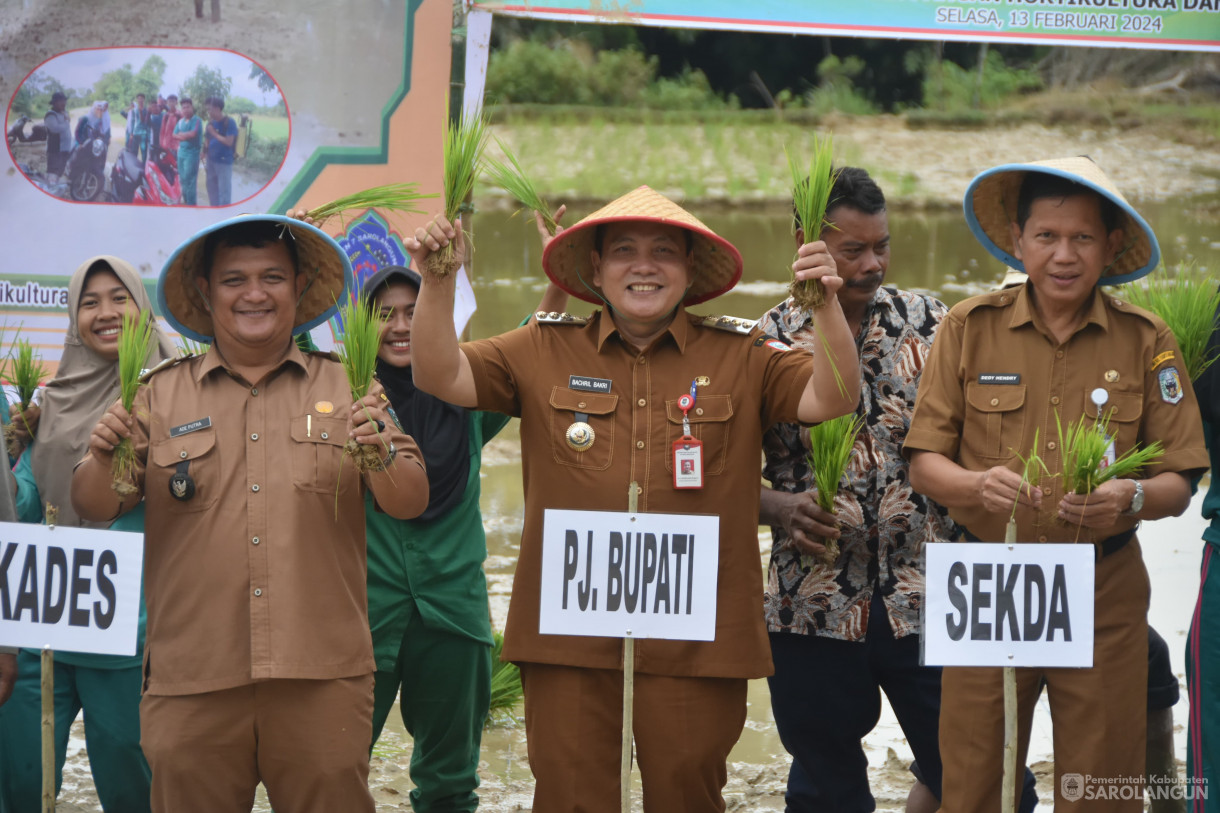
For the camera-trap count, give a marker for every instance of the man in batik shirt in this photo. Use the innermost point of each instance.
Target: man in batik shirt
(845, 630)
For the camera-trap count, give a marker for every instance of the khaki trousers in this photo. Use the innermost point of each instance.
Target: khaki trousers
(1099, 714)
(307, 741)
(684, 730)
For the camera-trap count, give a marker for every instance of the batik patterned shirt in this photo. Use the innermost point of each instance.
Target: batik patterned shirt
(884, 523)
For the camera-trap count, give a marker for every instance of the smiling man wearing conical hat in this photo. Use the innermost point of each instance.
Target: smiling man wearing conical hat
(601, 404)
(258, 665)
(1005, 369)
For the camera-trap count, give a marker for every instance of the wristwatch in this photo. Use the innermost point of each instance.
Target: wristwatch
(1137, 500)
(393, 452)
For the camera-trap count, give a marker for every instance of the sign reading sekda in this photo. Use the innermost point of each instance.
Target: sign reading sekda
(1009, 605)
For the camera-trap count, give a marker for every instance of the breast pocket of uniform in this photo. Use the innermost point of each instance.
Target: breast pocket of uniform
(1123, 409)
(196, 458)
(584, 447)
(995, 419)
(710, 422)
(317, 453)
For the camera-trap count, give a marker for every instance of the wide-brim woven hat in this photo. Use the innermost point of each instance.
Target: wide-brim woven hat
(991, 205)
(717, 263)
(322, 260)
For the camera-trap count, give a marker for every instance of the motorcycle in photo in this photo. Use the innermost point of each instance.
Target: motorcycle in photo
(156, 183)
(86, 169)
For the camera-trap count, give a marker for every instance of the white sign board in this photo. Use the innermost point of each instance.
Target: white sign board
(629, 575)
(72, 589)
(1008, 605)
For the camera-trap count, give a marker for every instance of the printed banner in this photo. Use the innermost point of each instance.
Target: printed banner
(629, 575)
(289, 106)
(1008, 605)
(72, 589)
(1169, 24)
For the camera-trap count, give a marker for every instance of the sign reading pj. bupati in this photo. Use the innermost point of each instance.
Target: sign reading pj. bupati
(1169, 24)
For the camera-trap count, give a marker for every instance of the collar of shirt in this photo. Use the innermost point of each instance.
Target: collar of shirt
(678, 328)
(1023, 312)
(213, 360)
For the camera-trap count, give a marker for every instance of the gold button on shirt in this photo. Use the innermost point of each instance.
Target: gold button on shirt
(525, 373)
(980, 424)
(223, 612)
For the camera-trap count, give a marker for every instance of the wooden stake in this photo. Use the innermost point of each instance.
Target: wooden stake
(48, 730)
(628, 689)
(1008, 789)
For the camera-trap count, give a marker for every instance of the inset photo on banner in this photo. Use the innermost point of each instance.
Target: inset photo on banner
(149, 126)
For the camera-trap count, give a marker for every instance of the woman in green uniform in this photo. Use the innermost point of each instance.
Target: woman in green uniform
(107, 687)
(427, 593)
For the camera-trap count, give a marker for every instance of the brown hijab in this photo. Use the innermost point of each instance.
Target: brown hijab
(84, 387)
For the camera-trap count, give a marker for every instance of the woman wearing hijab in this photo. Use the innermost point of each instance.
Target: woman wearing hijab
(427, 593)
(95, 122)
(107, 687)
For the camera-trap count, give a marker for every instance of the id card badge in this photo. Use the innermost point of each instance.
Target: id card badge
(688, 463)
(1110, 455)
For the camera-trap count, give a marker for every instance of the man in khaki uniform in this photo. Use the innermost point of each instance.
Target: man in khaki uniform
(1003, 366)
(258, 662)
(598, 400)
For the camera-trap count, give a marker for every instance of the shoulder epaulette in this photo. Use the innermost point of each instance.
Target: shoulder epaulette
(325, 354)
(733, 324)
(993, 299)
(556, 318)
(164, 365)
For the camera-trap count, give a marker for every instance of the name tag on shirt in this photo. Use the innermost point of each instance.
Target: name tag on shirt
(999, 378)
(588, 384)
(688, 463)
(193, 426)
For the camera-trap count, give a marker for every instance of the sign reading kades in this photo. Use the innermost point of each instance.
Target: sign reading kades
(72, 589)
(629, 575)
(1009, 605)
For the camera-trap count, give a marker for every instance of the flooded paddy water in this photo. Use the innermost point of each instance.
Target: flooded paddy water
(931, 252)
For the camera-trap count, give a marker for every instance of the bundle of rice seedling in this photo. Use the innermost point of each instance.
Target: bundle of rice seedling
(511, 178)
(1032, 469)
(830, 445)
(506, 692)
(1187, 301)
(25, 372)
(1084, 445)
(135, 342)
(395, 197)
(465, 142)
(362, 329)
(810, 197)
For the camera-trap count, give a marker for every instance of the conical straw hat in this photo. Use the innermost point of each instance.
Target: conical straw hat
(991, 205)
(717, 264)
(319, 257)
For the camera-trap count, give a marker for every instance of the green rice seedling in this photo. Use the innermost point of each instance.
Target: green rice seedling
(511, 178)
(810, 197)
(362, 329)
(1187, 301)
(1033, 467)
(189, 347)
(462, 159)
(1084, 445)
(395, 197)
(135, 341)
(506, 692)
(830, 445)
(25, 372)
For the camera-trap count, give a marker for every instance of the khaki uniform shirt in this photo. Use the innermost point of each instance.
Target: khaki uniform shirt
(997, 375)
(751, 386)
(261, 574)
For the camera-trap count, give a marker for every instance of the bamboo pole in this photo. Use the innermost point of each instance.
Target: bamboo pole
(1008, 789)
(48, 730)
(628, 689)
